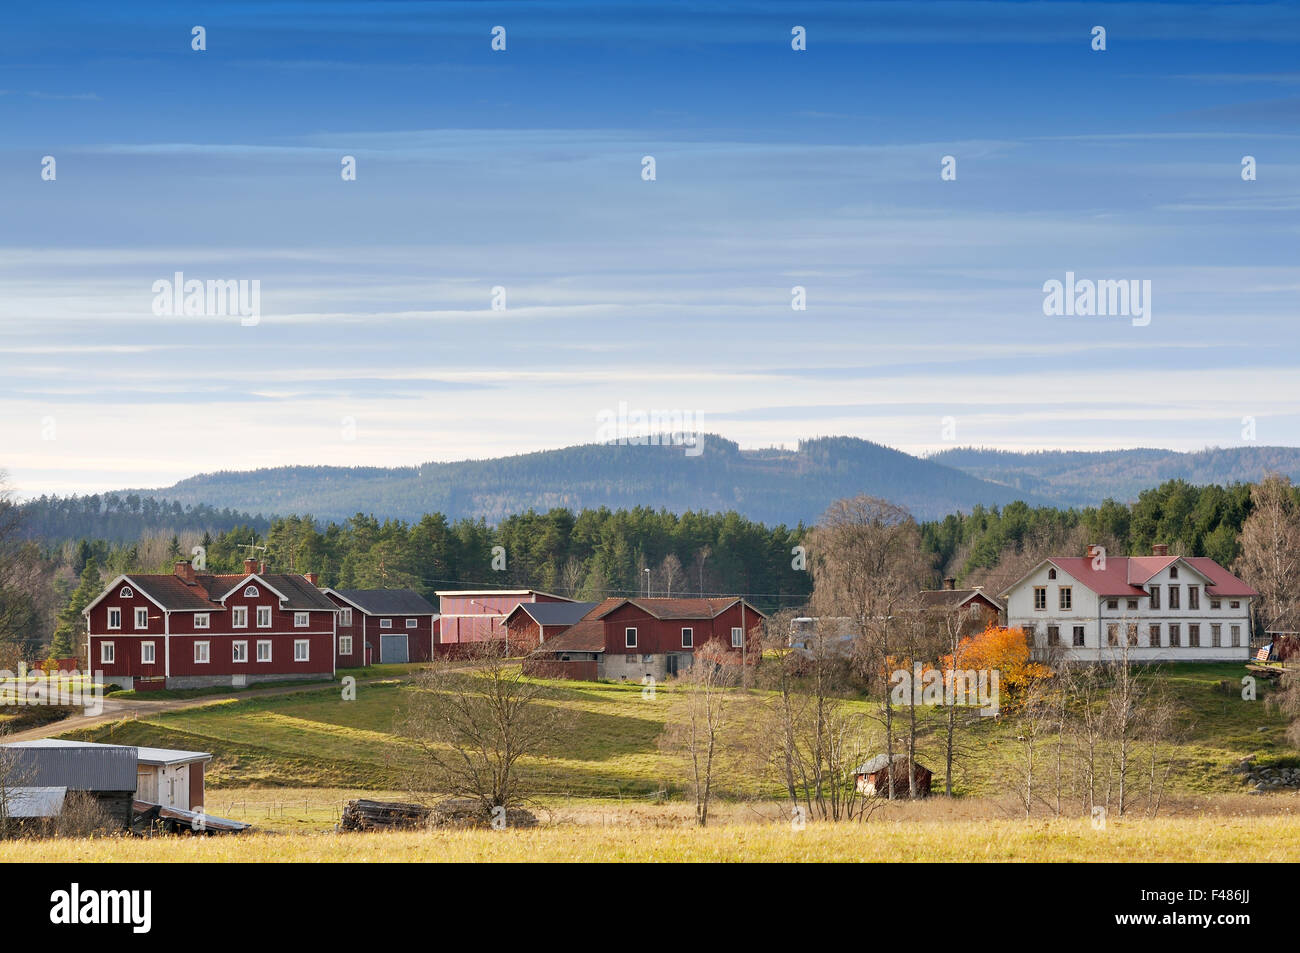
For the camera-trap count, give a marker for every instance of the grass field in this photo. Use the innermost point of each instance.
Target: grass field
(314, 739)
(1239, 839)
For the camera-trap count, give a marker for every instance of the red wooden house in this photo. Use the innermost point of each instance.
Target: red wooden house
(479, 615)
(191, 630)
(384, 625)
(630, 639)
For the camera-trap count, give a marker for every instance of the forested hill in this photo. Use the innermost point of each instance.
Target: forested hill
(770, 486)
(1085, 478)
(117, 517)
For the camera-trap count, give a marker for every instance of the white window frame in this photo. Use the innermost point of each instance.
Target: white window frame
(138, 610)
(629, 637)
(114, 611)
(263, 612)
(250, 592)
(345, 617)
(126, 592)
(148, 654)
(1065, 598)
(412, 623)
(1040, 595)
(261, 643)
(737, 637)
(203, 649)
(202, 620)
(345, 645)
(688, 637)
(305, 645)
(385, 623)
(239, 617)
(301, 620)
(239, 651)
(107, 653)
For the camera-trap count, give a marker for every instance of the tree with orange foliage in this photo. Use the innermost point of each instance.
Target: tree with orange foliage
(999, 649)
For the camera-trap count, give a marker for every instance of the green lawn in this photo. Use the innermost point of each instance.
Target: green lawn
(315, 739)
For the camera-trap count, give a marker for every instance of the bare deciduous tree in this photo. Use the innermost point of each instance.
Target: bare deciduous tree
(700, 720)
(1270, 547)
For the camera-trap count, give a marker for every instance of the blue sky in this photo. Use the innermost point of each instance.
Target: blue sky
(377, 344)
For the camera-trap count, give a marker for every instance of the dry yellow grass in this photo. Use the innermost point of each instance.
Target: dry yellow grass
(1223, 838)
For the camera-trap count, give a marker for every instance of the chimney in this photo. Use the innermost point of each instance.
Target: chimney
(1160, 549)
(250, 566)
(1092, 550)
(313, 578)
(950, 582)
(185, 570)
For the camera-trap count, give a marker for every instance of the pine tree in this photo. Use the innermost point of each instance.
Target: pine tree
(70, 624)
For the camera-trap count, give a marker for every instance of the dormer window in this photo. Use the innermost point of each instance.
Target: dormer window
(126, 593)
(250, 592)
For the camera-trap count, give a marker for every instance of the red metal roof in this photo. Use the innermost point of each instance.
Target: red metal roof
(1126, 575)
(1224, 582)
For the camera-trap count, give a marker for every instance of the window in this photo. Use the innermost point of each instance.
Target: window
(412, 623)
(1193, 636)
(1215, 603)
(345, 617)
(1132, 604)
(107, 653)
(1155, 596)
(629, 638)
(263, 617)
(1078, 636)
(201, 652)
(202, 620)
(688, 637)
(1193, 597)
(126, 593)
(1112, 634)
(146, 653)
(239, 651)
(385, 623)
(1030, 633)
(1234, 604)
(239, 617)
(1173, 597)
(1236, 636)
(1132, 634)
(1112, 603)
(1053, 635)
(1173, 572)
(1040, 597)
(1067, 598)
(250, 592)
(301, 650)
(1175, 639)
(1216, 636)
(737, 636)
(142, 618)
(301, 620)
(345, 645)
(1153, 636)
(115, 618)
(1051, 574)
(264, 650)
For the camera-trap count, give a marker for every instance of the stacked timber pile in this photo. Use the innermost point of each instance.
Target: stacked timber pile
(365, 815)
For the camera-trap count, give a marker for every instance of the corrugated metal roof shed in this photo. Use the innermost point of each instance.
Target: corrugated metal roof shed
(389, 601)
(145, 755)
(78, 768)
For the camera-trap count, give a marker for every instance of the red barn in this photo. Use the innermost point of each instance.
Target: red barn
(479, 615)
(532, 623)
(634, 638)
(384, 625)
(193, 630)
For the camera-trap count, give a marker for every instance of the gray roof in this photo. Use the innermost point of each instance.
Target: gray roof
(878, 763)
(144, 755)
(388, 601)
(556, 613)
(76, 767)
(36, 802)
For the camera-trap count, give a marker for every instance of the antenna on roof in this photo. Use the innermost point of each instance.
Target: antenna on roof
(251, 546)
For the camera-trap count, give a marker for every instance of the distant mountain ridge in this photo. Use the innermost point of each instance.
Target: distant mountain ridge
(1085, 478)
(769, 485)
(772, 485)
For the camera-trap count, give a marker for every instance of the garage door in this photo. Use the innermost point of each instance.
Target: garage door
(392, 648)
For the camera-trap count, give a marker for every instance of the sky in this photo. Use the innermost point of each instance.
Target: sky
(517, 177)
